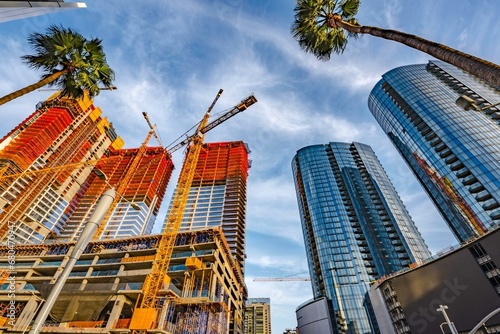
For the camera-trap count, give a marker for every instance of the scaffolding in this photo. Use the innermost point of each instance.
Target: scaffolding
(226, 164)
(139, 176)
(60, 132)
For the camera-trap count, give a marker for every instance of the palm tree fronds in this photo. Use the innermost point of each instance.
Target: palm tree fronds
(80, 64)
(349, 8)
(312, 30)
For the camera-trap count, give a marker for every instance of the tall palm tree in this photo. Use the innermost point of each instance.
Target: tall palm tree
(70, 62)
(324, 26)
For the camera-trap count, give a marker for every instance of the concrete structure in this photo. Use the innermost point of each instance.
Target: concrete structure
(356, 228)
(206, 291)
(146, 188)
(60, 132)
(15, 10)
(258, 316)
(465, 279)
(47, 201)
(218, 193)
(455, 154)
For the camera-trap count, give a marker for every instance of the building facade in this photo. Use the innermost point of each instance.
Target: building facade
(205, 293)
(258, 316)
(140, 178)
(217, 196)
(355, 227)
(20, 9)
(45, 160)
(316, 316)
(455, 154)
(466, 280)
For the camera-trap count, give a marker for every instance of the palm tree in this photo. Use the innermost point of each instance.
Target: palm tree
(324, 26)
(70, 62)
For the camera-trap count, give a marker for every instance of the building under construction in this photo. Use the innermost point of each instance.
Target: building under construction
(140, 178)
(177, 282)
(44, 161)
(217, 196)
(46, 185)
(205, 294)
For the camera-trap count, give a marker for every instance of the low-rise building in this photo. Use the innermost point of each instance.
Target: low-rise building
(206, 290)
(463, 283)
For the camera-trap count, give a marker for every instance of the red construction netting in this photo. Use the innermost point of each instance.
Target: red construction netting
(222, 161)
(29, 144)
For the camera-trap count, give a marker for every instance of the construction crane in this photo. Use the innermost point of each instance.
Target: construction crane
(146, 310)
(281, 279)
(4, 275)
(124, 183)
(289, 278)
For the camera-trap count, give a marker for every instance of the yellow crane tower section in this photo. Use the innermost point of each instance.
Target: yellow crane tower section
(146, 309)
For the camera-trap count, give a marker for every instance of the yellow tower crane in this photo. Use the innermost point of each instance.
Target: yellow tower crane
(146, 310)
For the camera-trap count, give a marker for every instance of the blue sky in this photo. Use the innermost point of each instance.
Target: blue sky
(171, 58)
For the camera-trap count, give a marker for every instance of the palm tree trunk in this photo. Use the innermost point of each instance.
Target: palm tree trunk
(30, 88)
(481, 68)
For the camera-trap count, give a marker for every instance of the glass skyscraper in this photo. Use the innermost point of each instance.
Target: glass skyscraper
(356, 228)
(455, 154)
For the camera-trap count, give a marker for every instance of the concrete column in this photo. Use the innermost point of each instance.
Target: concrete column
(115, 284)
(116, 311)
(27, 314)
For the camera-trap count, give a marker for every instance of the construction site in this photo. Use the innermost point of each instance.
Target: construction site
(81, 208)
(205, 293)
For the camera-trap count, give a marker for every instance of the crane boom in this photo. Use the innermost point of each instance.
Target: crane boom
(243, 105)
(124, 183)
(152, 127)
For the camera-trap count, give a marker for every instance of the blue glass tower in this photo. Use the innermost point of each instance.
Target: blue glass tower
(455, 154)
(356, 228)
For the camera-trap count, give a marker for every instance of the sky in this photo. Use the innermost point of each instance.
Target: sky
(172, 57)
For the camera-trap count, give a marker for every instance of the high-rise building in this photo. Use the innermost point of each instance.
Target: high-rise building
(145, 188)
(258, 316)
(20, 9)
(356, 228)
(47, 189)
(217, 196)
(34, 190)
(455, 154)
